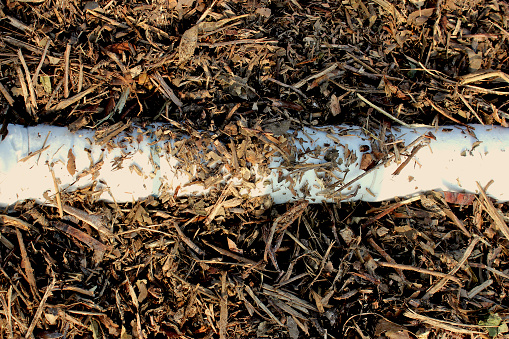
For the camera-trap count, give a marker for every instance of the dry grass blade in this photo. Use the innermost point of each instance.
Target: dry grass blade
(444, 280)
(469, 78)
(494, 214)
(446, 325)
(66, 70)
(262, 305)
(420, 270)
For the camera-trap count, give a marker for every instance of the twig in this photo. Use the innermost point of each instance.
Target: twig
(390, 116)
(8, 309)
(188, 241)
(93, 220)
(231, 255)
(42, 304)
(490, 269)
(18, 24)
(98, 247)
(408, 159)
(66, 70)
(486, 90)
(441, 111)
(478, 289)
(22, 44)
(158, 80)
(223, 314)
(206, 13)
(80, 76)
(298, 91)
(67, 102)
(34, 153)
(57, 191)
(33, 98)
(39, 67)
(317, 75)
(108, 20)
(387, 257)
(26, 265)
(6, 95)
(238, 42)
(470, 108)
(24, 90)
(389, 209)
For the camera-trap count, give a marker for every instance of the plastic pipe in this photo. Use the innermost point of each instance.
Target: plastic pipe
(332, 163)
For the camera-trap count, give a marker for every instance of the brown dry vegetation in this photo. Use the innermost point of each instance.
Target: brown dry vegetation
(432, 266)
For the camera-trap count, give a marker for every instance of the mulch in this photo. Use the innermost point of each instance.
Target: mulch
(430, 266)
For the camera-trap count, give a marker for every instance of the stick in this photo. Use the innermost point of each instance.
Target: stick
(66, 70)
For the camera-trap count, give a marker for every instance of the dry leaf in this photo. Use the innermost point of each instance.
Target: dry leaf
(419, 17)
(475, 60)
(233, 246)
(142, 288)
(263, 12)
(459, 198)
(71, 162)
(187, 44)
(367, 161)
(181, 5)
(118, 48)
(391, 330)
(391, 90)
(113, 328)
(335, 107)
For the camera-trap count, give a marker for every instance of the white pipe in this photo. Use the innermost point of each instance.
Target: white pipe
(161, 161)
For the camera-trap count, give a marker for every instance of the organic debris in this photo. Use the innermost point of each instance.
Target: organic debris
(221, 265)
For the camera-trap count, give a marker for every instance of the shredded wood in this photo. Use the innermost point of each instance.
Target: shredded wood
(237, 77)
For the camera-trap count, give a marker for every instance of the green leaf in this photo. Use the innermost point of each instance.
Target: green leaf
(494, 325)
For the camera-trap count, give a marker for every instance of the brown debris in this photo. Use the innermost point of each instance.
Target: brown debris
(236, 77)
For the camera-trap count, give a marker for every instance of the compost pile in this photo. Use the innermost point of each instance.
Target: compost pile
(222, 266)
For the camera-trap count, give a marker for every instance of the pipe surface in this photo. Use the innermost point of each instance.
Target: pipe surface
(331, 163)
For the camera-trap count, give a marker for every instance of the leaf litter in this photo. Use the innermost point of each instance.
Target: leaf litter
(227, 266)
